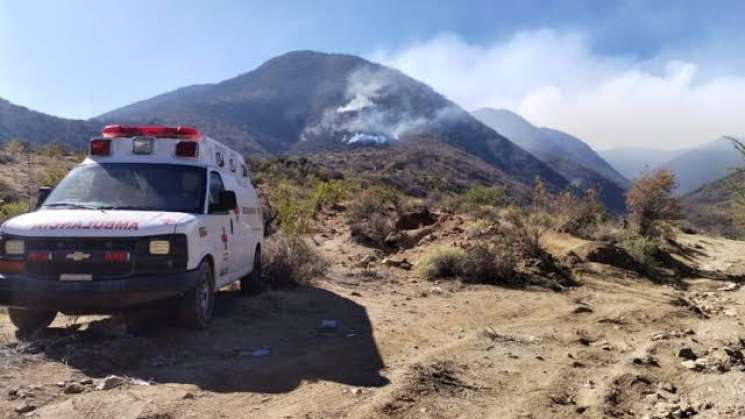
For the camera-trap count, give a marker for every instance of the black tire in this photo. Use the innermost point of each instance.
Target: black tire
(253, 283)
(30, 320)
(196, 306)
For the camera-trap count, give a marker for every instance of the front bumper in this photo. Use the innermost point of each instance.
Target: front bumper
(89, 297)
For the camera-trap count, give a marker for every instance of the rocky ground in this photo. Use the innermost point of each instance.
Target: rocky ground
(373, 339)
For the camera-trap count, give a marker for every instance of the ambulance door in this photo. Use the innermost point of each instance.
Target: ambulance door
(219, 226)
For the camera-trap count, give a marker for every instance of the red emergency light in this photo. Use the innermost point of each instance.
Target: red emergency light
(118, 131)
(187, 149)
(100, 147)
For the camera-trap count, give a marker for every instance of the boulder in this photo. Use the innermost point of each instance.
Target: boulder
(415, 219)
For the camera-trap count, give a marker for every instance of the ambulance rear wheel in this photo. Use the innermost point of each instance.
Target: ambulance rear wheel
(196, 306)
(253, 283)
(30, 320)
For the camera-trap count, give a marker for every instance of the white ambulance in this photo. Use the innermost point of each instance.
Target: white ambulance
(153, 215)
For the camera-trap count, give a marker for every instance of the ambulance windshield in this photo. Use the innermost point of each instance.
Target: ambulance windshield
(132, 186)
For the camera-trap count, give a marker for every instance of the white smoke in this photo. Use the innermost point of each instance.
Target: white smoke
(555, 79)
(377, 111)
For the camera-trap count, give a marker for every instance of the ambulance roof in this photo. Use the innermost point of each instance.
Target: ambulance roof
(163, 145)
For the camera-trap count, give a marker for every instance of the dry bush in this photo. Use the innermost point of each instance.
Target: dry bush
(524, 230)
(14, 147)
(651, 203)
(51, 150)
(372, 231)
(492, 263)
(372, 213)
(374, 200)
(442, 262)
(289, 262)
(581, 217)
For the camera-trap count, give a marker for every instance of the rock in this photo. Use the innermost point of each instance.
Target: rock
(414, 219)
(583, 309)
(669, 387)
(661, 336)
(730, 286)
(690, 364)
(25, 408)
(687, 353)
(188, 396)
(110, 382)
(607, 254)
(73, 388)
(356, 391)
(396, 263)
(648, 360)
(86, 381)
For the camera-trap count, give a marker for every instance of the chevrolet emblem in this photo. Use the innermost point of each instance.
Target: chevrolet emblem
(78, 256)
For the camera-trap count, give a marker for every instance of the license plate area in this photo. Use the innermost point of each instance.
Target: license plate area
(76, 277)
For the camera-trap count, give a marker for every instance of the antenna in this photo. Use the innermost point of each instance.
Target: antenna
(29, 174)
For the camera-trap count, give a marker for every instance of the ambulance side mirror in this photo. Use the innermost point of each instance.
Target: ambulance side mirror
(228, 202)
(43, 195)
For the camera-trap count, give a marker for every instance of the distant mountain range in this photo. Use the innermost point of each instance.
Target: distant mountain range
(568, 155)
(712, 206)
(693, 167)
(19, 122)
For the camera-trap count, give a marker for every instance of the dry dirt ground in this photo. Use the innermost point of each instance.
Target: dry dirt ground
(405, 347)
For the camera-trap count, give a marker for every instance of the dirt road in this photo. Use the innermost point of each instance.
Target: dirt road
(406, 347)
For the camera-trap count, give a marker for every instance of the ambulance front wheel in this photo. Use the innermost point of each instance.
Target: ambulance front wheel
(30, 320)
(196, 306)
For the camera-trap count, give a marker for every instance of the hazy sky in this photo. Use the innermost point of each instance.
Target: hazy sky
(650, 73)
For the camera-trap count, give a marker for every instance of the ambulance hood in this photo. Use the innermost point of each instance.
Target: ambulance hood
(94, 223)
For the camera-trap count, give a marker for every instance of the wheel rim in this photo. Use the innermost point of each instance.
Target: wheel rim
(204, 297)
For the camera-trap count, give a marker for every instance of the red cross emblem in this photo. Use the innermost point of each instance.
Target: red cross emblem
(224, 238)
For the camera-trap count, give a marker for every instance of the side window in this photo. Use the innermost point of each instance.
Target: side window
(216, 186)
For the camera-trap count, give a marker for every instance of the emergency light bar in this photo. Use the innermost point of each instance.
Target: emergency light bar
(118, 131)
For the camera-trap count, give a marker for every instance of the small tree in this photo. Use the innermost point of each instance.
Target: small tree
(651, 202)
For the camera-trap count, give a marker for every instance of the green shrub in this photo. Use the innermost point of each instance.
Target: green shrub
(441, 262)
(51, 177)
(51, 150)
(330, 192)
(293, 210)
(643, 249)
(483, 196)
(12, 209)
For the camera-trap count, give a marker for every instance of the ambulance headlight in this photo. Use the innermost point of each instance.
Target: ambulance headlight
(15, 247)
(160, 247)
